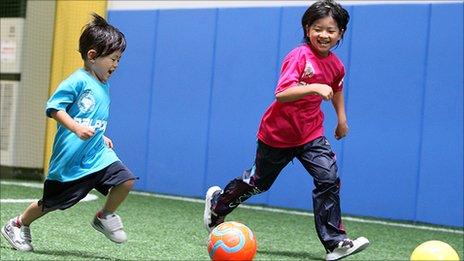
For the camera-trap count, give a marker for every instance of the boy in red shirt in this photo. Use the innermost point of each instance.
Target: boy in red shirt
(292, 127)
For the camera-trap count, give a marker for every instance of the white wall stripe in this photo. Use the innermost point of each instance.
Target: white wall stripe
(302, 213)
(89, 197)
(152, 5)
(22, 184)
(15, 200)
(274, 210)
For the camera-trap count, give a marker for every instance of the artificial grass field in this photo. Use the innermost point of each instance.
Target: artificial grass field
(170, 229)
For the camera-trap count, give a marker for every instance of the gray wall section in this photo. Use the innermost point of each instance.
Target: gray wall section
(35, 81)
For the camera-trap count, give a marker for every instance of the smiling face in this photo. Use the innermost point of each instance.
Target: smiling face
(102, 67)
(324, 34)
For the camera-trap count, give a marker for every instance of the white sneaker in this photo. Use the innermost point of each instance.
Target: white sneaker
(18, 237)
(111, 227)
(210, 219)
(348, 247)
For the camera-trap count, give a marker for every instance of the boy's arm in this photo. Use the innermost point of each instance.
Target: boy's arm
(338, 103)
(302, 89)
(83, 132)
(108, 142)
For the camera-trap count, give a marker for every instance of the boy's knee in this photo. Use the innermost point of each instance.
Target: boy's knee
(329, 182)
(128, 184)
(327, 175)
(257, 185)
(332, 177)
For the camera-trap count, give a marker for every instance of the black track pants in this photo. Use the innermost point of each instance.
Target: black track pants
(318, 159)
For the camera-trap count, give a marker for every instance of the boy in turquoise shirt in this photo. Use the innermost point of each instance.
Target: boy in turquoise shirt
(83, 158)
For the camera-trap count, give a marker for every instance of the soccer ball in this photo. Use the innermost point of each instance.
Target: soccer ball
(231, 241)
(434, 250)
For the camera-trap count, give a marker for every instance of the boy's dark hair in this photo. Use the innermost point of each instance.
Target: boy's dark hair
(102, 37)
(322, 9)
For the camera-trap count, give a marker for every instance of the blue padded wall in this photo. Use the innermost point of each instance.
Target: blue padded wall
(131, 88)
(193, 84)
(386, 87)
(180, 103)
(243, 80)
(440, 188)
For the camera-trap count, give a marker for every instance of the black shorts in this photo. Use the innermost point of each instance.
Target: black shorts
(63, 195)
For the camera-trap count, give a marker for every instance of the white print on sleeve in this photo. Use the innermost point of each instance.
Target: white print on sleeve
(341, 82)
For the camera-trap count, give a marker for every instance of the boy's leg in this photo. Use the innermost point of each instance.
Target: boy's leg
(117, 195)
(33, 212)
(269, 162)
(55, 195)
(116, 181)
(319, 160)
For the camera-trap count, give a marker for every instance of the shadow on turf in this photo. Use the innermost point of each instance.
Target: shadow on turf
(72, 254)
(299, 255)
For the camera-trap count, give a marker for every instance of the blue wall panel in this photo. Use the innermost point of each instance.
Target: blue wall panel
(180, 104)
(439, 201)
(244, 76)
(131, 88)
(386, 87)
(291, 33)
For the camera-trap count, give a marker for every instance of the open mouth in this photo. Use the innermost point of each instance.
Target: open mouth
(324, 43)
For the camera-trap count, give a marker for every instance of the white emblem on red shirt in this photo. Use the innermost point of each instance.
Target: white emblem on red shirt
(309, 70)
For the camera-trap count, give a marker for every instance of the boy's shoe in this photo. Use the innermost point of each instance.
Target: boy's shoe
(347, 247)
(19, 237)
(111, 227)
(211, 219)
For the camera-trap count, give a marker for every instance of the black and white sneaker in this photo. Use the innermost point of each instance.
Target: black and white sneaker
(111, 227)
(347, 247)
(211, 219)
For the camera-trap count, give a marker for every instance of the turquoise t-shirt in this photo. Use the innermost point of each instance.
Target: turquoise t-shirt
(87, 101)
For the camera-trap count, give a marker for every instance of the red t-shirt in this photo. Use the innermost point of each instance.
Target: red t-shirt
(290, 124)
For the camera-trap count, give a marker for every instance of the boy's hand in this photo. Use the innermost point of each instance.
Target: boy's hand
(108, 142)
(325, 91)
(83, 132)
(341, 130)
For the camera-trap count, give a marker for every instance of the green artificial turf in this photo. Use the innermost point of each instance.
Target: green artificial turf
(169, 229)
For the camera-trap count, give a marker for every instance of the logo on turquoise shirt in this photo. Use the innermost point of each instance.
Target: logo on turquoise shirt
(86, 101)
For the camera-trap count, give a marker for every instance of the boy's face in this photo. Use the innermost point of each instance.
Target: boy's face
(102, 67)
(324, 34)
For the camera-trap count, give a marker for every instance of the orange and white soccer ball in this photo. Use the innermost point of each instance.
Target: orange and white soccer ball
(231, 241)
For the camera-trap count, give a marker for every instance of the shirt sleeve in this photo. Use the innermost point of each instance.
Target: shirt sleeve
(290, 74)
(64, 96)
(338, 81)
